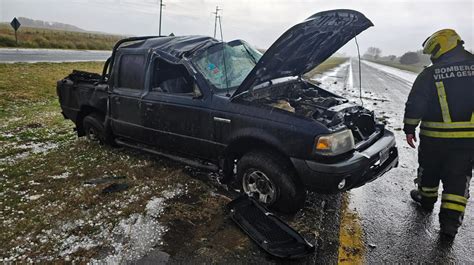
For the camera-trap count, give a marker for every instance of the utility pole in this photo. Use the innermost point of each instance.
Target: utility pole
(161, 14)
(215, 20)
(220, 27)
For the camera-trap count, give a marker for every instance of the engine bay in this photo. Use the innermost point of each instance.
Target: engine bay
(305, 99)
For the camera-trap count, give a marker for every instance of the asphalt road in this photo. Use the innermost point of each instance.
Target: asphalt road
(395, 230)
(51, 55)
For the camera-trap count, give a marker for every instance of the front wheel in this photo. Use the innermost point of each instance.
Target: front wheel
(271, 180)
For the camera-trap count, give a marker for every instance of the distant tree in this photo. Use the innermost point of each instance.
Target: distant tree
(372, 53)
(424, 58)
(410, 58)
(392, 57)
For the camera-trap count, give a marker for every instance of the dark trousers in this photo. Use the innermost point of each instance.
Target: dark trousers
(453, 167)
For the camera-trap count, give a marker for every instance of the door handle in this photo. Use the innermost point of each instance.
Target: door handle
(117, 100)
(223, 120)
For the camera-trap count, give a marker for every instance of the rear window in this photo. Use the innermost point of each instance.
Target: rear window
(131, 71)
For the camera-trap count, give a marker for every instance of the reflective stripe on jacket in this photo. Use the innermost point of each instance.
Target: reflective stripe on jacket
(442, 99)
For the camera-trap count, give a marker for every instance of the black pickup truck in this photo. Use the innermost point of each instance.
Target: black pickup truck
(226, 107)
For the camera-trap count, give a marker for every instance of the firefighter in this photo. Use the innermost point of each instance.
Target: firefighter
(442, 99)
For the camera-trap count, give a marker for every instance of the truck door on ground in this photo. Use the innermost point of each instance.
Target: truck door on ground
(177, 116)
(125, 99)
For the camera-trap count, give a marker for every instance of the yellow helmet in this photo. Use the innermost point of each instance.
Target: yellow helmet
(441, 42)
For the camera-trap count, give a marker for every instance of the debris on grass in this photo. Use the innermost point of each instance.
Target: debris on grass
(115, 187)
(102, 180)
(64, 175)
(35, 197)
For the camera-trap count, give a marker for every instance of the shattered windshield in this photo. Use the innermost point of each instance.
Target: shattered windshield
(226, 65)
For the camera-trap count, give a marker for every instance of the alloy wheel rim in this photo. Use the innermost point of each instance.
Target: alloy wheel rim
(256, 184)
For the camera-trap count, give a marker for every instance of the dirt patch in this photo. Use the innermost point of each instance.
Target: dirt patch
(200, 227)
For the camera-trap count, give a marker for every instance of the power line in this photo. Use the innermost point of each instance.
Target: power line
(215, 20)
(220, 28)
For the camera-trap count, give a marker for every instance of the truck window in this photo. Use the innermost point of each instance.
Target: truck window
(131, 71)
(239, 60)
(170, 78)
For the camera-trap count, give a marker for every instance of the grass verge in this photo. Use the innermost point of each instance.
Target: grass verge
(27, 83)
(330, 63)
(56, 39)
(48, 213)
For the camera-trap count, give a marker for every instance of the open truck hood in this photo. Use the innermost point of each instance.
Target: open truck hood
(306, 45)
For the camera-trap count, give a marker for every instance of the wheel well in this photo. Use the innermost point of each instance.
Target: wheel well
(240, 147)
(85, 111)
(244, 145)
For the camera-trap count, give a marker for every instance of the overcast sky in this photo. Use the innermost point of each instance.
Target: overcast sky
(400, 25)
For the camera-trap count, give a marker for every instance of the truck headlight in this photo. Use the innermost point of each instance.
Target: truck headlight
(335, 143)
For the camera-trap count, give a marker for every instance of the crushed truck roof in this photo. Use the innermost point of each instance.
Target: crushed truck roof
(175, 46)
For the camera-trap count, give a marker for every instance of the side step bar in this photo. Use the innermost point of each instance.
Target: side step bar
(190, 162)
(267, 230)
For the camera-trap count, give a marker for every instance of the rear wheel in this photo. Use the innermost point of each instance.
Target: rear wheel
(270, 179)
(94, 129)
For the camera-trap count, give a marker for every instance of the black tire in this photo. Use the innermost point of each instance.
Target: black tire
(289, 193)
(94, 129)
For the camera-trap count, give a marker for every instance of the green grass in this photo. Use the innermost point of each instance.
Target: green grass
(56, 39)
(35, 228)
(330, 63)
(24, 82)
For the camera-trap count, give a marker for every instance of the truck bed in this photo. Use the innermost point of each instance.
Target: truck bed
(80, 89)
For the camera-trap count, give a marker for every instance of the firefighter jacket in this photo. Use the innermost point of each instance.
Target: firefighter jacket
(442, 99)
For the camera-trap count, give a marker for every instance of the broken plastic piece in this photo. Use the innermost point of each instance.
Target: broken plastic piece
(115, 187)
(267, 230)
(103, 180)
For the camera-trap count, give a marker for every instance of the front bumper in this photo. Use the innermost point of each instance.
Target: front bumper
(361, 167)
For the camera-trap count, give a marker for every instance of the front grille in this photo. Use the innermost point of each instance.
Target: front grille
(362, 125)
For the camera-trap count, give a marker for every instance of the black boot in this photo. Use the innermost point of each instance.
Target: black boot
(449, 223)
(448, 232)
(417, 197)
